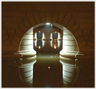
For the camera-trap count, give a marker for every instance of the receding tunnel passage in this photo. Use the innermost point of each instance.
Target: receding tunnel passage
(69, 46)
(58, 44)
(39, 35)
(48, 62)
(48, 44)
(55, 35)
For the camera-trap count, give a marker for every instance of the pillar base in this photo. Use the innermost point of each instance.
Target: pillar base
(70, 54)
(27, 53)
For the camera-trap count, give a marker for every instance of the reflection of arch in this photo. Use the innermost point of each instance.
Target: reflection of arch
(39, 43)
(26, 71)
(69, 71)
(70, 45)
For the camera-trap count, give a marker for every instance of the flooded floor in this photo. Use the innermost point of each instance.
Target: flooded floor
(49, 73)
(47, 70)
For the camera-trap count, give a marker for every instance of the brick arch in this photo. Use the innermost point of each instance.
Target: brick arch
(30, 19)
(26, 47)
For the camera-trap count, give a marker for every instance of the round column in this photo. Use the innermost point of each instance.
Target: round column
(59, 36)
(51, 36)
(69, 46)
(26, 44)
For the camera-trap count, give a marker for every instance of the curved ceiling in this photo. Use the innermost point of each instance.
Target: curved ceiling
(18, 17)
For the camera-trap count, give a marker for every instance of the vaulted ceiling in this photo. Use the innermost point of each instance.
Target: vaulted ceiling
(37, 12)
(18, 17)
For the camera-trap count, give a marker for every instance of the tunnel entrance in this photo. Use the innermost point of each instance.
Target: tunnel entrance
(51, 54)
(69, 45)
(55, 35)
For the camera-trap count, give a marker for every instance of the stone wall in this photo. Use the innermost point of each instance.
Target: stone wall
(17, 18)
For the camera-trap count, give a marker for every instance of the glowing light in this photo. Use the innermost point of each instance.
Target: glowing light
(48, 67)
(51, 56)
(54, 46)
(54, 40)
(48, 23)
(47, 87)
(39, 47)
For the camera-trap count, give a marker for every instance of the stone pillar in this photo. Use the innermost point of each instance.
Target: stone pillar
(51, 36)
(69, 46)
(26, 44)
(43, 36)
(35, 36)
(59, 43)
(59, 36)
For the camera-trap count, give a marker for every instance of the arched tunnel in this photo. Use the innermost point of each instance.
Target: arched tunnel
(46, 46)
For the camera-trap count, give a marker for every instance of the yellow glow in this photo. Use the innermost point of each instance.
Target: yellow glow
(54, 46)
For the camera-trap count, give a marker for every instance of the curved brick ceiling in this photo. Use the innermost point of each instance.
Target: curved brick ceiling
(18, 17)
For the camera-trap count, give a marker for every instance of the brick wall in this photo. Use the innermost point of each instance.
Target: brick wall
(77, 17)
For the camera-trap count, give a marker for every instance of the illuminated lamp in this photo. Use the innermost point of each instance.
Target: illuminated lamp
(48, 23)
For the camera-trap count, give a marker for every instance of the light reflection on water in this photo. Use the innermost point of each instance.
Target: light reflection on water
(47, 69)
(69, 73)
(25, 71)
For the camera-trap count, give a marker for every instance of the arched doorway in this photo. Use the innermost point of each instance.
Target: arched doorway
(55, 37)
(69, 47)
(69, 50)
